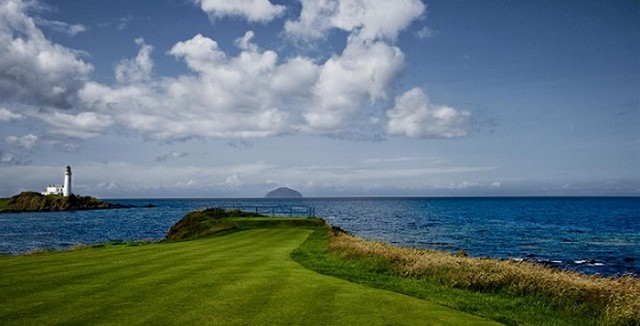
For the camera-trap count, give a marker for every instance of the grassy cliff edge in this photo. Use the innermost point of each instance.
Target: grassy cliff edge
(216, 221)
(515, 293)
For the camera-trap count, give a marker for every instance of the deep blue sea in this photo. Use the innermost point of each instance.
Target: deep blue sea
(591, 235)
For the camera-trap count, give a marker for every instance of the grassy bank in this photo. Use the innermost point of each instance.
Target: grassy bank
(4, 204)
(216, 221)
(510, 292)
(245, 277)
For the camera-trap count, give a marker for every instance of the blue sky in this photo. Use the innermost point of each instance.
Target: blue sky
(211, 98)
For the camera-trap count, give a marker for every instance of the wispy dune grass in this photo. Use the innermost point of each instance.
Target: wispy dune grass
(613, 301)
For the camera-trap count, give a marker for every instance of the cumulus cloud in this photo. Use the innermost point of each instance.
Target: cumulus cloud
(14, 157)
(224, 97)
(413, 116)
(6, 115)
(252, 10)
(232, 181)
(26, 141)
(137, 69)
(251, 93)
(369, 19)
(295, 78)
(358, 78)
(33, 69)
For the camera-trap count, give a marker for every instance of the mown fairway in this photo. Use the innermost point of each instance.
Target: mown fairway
(242, 278)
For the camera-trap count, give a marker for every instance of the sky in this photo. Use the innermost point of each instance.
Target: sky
(216, 98)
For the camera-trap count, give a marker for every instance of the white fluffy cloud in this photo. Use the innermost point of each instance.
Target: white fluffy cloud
(358, 78)
(413, 116)
(26, 141)
(32, 68)
(369, 19)
(295, 78)
(6, 115)
(137, 69)
(254, 93)
(252, 10)
(224, 97)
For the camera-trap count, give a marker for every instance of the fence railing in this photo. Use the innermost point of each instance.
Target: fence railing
(277, 210)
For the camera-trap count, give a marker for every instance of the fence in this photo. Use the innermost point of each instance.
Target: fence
(278, 210)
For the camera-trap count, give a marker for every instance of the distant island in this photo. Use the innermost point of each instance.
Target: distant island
(283, 192)
(36, 202)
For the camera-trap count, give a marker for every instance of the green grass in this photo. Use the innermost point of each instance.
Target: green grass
(4, 203)
(378, 272)
(245, 277)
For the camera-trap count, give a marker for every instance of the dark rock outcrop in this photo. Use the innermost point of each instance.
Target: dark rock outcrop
(283, 192)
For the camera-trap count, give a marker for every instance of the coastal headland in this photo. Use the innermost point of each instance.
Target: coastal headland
(232, 267)
(36, 202)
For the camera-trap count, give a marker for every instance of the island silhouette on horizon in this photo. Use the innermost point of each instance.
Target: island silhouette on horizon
(283, 192)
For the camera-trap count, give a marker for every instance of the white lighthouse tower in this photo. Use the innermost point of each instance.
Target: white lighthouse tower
(66, 192)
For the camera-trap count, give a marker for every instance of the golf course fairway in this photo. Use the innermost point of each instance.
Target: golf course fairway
(243, 278)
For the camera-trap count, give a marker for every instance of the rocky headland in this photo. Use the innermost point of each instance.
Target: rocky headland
(36, 202)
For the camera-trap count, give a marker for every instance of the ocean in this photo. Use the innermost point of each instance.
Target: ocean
(587, 234)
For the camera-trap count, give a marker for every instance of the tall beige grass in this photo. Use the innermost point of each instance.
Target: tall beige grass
(615, 299)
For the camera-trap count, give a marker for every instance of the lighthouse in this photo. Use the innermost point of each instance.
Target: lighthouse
(67, 182)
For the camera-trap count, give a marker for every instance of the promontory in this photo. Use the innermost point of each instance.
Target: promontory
(36, 202)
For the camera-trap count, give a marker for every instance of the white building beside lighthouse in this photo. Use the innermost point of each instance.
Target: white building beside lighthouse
(61, 190)
(53, 190)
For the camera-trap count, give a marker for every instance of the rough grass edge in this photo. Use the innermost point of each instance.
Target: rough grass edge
(615, 300)
(600, 300)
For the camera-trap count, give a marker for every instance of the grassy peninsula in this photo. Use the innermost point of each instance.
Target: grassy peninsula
(35, 202)
(231, 268)
(245, 277)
